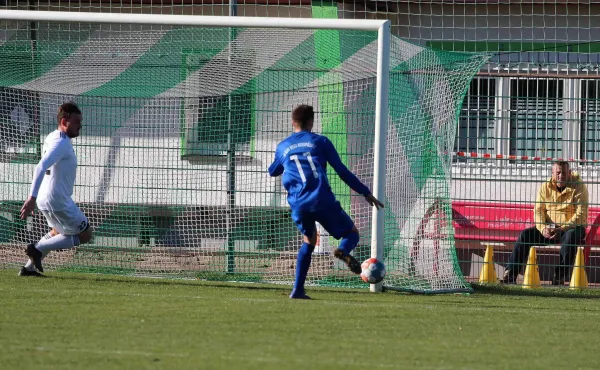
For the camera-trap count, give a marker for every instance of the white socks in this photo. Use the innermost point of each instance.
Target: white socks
(57, 242)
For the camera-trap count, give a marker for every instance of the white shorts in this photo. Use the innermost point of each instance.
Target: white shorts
(70, 221)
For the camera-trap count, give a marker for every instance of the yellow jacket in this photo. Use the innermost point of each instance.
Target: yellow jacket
(567, 209)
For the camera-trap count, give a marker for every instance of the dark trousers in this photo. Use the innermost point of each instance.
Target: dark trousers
(569, 241)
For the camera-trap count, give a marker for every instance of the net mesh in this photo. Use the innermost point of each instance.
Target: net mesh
(180, 124)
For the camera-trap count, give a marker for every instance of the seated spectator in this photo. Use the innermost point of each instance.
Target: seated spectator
(560, 218)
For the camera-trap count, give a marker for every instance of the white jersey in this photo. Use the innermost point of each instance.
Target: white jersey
(54, 176)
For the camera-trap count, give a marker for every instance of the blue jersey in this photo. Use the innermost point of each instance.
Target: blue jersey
(302, 159)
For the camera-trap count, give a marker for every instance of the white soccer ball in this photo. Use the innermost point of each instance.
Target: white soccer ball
(373, 271)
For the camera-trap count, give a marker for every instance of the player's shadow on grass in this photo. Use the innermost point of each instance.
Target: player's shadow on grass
(167, 281)
(551, 292)
(283, 289)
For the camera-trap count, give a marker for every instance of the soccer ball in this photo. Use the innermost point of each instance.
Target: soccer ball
(373, 271)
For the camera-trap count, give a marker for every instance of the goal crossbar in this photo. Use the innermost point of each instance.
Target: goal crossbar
(192, 20)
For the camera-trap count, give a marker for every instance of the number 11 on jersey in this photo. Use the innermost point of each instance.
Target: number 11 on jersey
(296, 159)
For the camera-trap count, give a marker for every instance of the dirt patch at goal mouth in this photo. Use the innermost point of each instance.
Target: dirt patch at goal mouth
(267, 266)
(270, 265)
(14, 254)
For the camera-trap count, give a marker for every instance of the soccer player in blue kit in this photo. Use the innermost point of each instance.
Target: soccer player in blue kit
(302, 159)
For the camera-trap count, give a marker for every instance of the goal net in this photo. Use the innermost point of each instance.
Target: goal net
(180, 124)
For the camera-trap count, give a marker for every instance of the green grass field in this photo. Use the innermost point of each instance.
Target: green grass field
(81, 321)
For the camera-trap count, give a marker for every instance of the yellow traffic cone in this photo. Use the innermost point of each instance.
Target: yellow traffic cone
(532, 273)
(488, 271)
(579, 277)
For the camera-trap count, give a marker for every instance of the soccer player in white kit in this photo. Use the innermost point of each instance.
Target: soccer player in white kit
(52, 188)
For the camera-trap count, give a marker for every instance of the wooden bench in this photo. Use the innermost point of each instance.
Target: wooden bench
(499, 223)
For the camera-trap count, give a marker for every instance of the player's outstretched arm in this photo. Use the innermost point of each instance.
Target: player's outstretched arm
(51, 156)
(333, 158)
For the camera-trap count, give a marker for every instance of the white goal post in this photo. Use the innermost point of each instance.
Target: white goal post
(382, 27)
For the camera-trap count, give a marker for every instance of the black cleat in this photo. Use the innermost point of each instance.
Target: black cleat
(508, 278)
(25, 272)
(35, 255)
(298, 295)
(350, 261)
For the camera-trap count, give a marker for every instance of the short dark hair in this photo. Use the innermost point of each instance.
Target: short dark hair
(303, 114)
(561, 164)
(67, 110)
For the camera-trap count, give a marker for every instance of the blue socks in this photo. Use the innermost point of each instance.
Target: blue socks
(302, 266)
(349, 242)
(347, 245)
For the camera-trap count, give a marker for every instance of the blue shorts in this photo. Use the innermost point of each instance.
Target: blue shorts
(335, 220)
